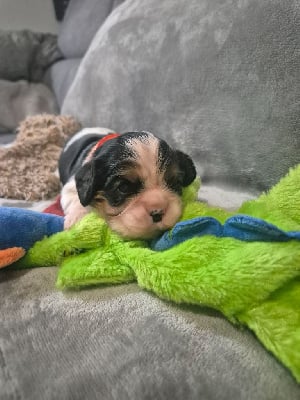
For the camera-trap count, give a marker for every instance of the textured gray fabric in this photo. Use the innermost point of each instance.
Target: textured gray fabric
(26, 55)
(122, 343)
(220, 79)
(6, 136)
(61, 76)
(81, 22)
(22, 99)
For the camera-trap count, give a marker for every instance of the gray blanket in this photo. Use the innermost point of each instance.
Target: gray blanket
(125, 344)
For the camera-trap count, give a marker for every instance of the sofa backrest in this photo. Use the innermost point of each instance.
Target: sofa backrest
(81, 21)
(218, 79)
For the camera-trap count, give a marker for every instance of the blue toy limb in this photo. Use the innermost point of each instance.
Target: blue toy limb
(250, 229)
(241, 227)
(22, 228)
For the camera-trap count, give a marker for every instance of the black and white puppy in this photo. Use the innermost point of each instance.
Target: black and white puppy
(134, 181)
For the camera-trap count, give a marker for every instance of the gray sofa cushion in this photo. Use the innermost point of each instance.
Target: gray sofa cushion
(26, 55)
(219, 79)
(61, 75)
(81, 22)
(21, 99)
(120, 343)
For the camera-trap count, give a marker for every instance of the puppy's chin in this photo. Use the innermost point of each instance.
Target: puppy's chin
(135, 221)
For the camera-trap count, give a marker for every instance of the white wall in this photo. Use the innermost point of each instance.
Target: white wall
(36, 15)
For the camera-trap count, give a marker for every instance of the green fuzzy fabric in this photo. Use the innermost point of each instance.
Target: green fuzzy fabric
(256, 284)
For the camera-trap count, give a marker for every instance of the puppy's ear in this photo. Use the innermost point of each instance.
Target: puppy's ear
(187, 168)
(86, 183)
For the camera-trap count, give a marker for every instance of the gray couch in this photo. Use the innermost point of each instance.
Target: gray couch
(220, 80)
(25, 56)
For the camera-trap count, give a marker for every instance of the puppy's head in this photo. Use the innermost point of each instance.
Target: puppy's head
(135, 181)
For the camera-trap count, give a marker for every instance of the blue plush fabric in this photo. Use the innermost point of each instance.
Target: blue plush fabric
(22, 228)
(240, 227)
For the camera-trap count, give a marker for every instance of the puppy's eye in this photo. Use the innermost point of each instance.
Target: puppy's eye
(121, 189)
(124, 186)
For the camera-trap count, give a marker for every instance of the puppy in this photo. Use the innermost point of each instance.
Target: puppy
(134, 181)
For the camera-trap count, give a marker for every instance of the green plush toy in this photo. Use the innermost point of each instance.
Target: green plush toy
(254, 283)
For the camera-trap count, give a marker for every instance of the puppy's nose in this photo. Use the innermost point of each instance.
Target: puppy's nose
(156, 215)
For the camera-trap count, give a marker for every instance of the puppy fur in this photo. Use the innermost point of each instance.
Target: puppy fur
(134, 181)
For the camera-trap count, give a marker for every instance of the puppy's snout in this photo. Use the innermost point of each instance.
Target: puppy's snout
(156, 215)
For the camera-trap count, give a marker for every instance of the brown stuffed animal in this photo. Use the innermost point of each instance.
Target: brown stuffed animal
(28, 167)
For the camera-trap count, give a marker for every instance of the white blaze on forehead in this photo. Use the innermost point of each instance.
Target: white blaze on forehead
(146, 152)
